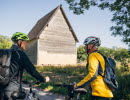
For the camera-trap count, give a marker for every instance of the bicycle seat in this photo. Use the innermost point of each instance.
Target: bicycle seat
(80, 90)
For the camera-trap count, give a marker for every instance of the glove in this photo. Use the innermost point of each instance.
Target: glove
(47, 79)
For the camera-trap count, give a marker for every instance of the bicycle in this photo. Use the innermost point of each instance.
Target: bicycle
(73, 94)
(32, 94)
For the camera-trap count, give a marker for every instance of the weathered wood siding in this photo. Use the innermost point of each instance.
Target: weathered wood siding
(56, 43)
(32, 51)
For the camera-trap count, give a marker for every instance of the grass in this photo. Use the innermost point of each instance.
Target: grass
(71, 74)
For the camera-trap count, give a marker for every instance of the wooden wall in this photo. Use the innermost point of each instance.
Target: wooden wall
(32, 51)
(57, 39)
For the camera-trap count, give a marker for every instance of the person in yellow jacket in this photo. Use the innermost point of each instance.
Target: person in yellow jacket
(95, 65)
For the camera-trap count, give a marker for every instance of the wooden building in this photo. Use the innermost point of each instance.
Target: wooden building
(53, 40)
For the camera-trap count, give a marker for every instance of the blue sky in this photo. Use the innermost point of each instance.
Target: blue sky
(22, 15)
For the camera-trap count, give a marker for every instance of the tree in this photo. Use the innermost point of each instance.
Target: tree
(118, 54)
(120, 9)
(122, 56)
(107, 51)
(5, 42)
(81, 55)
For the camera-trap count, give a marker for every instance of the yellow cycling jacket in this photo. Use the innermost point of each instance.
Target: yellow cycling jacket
(96, 64)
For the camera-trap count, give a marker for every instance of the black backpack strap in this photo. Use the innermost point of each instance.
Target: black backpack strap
(101, 74)
(100, 64)
(13, 75)
(20, 73)
(20, 78)
(100, 71)
(19, 66)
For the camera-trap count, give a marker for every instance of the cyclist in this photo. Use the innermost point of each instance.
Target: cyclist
(20, 60)
(95, 64)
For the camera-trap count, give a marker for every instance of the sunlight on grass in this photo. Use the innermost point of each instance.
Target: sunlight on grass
(71, 74)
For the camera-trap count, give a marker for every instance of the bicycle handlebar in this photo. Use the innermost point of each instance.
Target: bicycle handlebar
(31, 81)
(70, 88)
(64, 85)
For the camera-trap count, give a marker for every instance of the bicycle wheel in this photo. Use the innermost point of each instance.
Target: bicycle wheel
(67, 98)
(37, 99)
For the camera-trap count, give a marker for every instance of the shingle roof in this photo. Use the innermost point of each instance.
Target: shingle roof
(42, 23)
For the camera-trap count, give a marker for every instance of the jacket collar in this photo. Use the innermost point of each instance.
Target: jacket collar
(94, 51)
(16, 47)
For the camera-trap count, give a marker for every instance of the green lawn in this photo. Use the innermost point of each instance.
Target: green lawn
(71, 74)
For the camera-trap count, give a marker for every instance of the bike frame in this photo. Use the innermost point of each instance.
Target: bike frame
(72, 92)
(32, 95)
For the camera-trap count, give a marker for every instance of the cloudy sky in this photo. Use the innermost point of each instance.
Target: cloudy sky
(22, 15)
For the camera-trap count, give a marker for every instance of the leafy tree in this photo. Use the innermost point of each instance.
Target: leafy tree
(81, 55)
(5, 42)
(122, 56)
(120, 9)
(107, 51)
(119, 54)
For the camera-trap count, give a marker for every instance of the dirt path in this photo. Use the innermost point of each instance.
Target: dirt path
(44, 95)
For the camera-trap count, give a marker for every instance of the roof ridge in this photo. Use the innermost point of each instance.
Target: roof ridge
(42, 23)
(52, 11)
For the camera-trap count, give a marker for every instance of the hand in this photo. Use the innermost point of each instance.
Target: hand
(75, 86)
(47, 79)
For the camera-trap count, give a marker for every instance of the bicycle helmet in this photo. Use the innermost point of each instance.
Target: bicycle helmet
(19, 36)
(92, 40)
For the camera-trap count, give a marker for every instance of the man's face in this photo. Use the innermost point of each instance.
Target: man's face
(24, 45)
(87, 47)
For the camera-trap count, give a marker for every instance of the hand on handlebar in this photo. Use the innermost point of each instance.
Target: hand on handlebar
(75, 86)
(47, 79)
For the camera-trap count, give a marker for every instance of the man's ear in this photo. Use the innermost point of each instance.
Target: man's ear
(19, 43)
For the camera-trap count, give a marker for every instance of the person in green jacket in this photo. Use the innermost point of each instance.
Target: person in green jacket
(20, 60)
